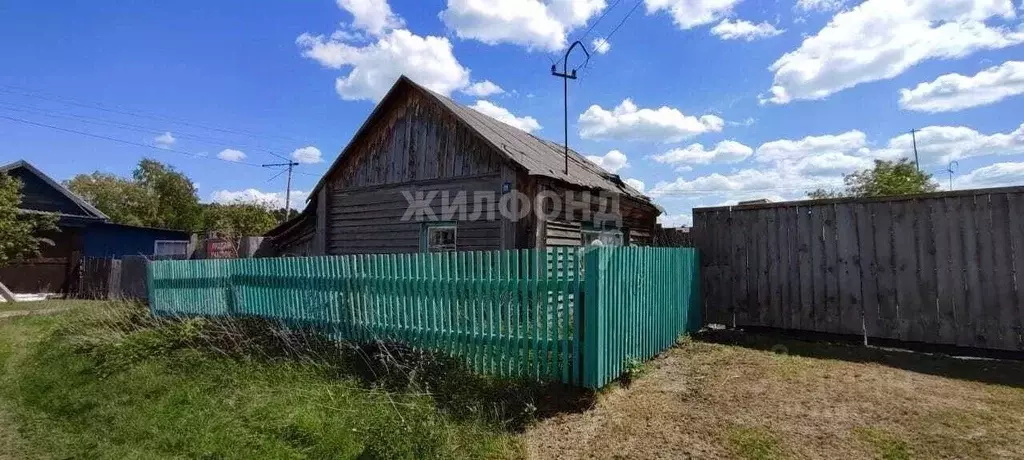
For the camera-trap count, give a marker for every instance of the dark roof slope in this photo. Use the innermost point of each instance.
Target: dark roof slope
(87, 209)
(538, 157)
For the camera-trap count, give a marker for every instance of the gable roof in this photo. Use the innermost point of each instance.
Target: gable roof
(87, 208)
(536, 156)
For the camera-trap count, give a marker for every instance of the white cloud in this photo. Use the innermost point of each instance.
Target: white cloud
(373, 16)
(952, 92)
(231, 155)
(744, 30)
(482, 89)
(600, 45)
(829, 164)
(676, 220)
(535, 24)
(273, 200)
(994, 175)
(880, 39)
(612, 161)
(823, 6)
(745, 184)
(793, 150)
(941, 144)
(727, 151)
(628, 122)
(637, 184)
(688, 14)
(307, 155)
(528, 124)
(374, 67)
(165, 140)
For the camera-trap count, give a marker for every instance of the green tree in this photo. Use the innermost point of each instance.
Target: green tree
(886, 178)
(238, 219)
(20, 232)
(176, 201)
(121, 199)
(157, 195)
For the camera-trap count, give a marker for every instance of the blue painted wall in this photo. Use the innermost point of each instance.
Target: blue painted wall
(112, 240)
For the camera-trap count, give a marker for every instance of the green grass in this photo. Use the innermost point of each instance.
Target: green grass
(886, 445)
(78, 391)
(46, 304)
(754, 444)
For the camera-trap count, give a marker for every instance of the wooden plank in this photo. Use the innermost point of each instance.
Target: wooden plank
(818, 276)
(908, 303)
(1002, 313)
(975, 314)
(885, 264)
(848, 279)
(830, 272)
(1016, 231)
(790, 268)
(773, 269)
(989, 271)
(927, 322)
(959, 293)
(946, 274)
(761, 310)
(808, 233)
(738, 268)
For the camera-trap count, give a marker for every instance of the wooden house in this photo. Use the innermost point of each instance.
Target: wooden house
(419, 150)
(82, 231)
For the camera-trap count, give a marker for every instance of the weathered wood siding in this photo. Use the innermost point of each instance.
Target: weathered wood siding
(637, 219)
(939, 268)
(370, 221)
(415, 141)
(415, 147)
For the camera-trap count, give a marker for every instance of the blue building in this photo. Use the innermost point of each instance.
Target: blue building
(84, 231)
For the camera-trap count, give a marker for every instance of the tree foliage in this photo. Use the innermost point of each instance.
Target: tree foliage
(156, 195)
(886, 178)
(20, 232)
(238, 219)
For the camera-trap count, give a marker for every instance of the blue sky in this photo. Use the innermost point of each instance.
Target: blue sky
(703, 101)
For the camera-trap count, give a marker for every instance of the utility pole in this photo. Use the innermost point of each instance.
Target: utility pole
(565, 76)
(913, 136)
(288, 189)
(951, 169)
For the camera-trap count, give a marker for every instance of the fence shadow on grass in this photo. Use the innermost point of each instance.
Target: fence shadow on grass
(1001, 368)
(390, 366)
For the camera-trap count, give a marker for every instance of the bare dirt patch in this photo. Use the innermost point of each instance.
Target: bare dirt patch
(739, 399)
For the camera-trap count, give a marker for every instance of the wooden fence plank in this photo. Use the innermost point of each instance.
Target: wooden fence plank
(848, 276)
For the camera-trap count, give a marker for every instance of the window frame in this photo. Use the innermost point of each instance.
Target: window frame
(429, 227)
(156, 244)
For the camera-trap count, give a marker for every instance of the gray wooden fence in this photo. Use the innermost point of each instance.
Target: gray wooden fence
(937, 268)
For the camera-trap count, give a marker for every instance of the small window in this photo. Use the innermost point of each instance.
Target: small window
(601, 237)
(439, 237)
(170, 248)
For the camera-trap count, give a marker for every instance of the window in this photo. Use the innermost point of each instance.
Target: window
(591, 236)
(438, 237)
(170, 248)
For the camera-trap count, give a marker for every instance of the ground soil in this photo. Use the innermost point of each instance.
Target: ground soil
(768, 397)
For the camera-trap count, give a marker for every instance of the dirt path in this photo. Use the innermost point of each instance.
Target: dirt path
(706, 400)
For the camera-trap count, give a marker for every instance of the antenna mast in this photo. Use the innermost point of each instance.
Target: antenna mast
(565, 76)
(288, 189)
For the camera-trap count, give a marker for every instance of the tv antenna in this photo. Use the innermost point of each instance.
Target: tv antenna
(951, 170)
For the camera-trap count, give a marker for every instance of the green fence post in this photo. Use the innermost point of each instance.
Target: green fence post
(592, 343)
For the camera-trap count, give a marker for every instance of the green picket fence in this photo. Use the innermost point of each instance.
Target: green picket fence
(638, 302)
(506, 313)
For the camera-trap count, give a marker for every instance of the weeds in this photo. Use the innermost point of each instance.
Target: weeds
(633, 369)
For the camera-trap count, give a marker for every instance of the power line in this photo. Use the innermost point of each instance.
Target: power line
(589, 29)
(97, 106)
(132, 143)
(623, 21)
(128, 126)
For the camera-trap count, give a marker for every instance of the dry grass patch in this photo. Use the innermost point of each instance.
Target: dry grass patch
(739, 399)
